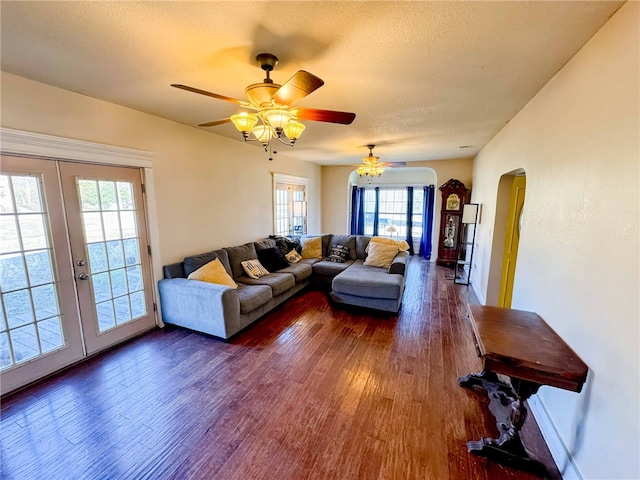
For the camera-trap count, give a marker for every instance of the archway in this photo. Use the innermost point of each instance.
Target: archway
(506, 237)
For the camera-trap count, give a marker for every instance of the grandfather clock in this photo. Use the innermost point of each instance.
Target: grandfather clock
(454, 196)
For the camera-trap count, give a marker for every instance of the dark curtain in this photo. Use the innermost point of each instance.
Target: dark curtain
(357, 211)
(376, 212)
(410, 219)
(427, 222)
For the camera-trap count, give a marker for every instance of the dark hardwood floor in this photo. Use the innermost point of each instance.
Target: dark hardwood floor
(312, 391)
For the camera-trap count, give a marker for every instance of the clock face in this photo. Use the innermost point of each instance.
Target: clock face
(453, 202)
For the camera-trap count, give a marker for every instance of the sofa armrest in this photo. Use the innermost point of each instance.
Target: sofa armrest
(399, 264)
(201, 306)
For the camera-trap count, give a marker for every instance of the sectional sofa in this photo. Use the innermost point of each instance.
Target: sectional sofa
(222, 311)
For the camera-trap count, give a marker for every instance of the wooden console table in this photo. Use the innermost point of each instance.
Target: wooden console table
(523, 347)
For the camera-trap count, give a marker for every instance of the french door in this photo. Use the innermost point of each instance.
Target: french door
(74, 267)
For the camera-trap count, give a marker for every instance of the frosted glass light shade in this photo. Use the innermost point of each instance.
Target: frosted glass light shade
(262, 133)
(278, 119)
(244, 121)
(293, 130)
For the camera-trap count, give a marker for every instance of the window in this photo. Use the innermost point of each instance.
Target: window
(289, 205)
(392, 212)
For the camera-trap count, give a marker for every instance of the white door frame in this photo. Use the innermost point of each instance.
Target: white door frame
(49, 147)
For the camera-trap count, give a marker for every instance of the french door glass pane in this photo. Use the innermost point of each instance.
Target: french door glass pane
(113, 246)
(30, 322)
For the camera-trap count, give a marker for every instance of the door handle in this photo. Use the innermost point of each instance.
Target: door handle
(83, 276)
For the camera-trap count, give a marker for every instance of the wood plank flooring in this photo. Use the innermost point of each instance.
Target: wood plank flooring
(312, 391)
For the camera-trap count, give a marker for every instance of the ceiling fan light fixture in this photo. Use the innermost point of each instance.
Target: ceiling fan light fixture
(244, 122)
(272, 104)
(370, 167)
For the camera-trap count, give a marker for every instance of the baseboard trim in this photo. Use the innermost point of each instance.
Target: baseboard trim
(478, 291)
(561, 455)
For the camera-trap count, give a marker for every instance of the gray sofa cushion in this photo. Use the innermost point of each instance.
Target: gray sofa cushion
(327, 268)
(264, 244)
(252, 296)
(348, 241)
(310, 261)
(240, 254)
(279, 282)
(361, 245)
(366, 281)
(194, 262)
(301, 271)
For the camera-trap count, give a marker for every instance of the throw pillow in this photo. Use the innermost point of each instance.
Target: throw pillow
(272, 259)
(386, 240)
(293, 256)
(254, 268)
(403, 246)
(338, 254)
(213, 272)
(312, 247)
(381, 254)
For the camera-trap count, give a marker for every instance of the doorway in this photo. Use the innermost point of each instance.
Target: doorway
(74, 264)
(512, 240)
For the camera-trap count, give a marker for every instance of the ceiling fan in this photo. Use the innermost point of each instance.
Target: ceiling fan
(372, 167)
(275, 117)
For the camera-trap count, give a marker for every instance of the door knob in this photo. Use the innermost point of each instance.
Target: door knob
(83, 276)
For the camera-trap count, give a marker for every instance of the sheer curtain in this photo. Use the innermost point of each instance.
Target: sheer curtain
(427, 222)
(357, 210)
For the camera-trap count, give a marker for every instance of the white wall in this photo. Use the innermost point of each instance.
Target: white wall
(578, 141)
(211, 191)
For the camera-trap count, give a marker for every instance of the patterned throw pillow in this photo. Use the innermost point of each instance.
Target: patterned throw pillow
(254, 268)
(293, 257)
(338, 254)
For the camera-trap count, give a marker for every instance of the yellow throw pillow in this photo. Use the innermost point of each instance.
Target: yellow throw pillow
(213, 272)
(381, 254)
(403, 246)
(386, 240)
(312, 247)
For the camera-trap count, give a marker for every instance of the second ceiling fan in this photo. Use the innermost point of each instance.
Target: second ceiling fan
(275, 117)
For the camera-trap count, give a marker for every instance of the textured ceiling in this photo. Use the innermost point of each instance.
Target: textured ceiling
(422, 77)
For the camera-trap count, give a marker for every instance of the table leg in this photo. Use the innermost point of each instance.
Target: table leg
(506, 403)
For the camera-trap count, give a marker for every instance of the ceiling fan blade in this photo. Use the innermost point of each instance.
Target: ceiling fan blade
(214, 95)
(213, 124)
(296, 88)
(394, 164)
(330, 116)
